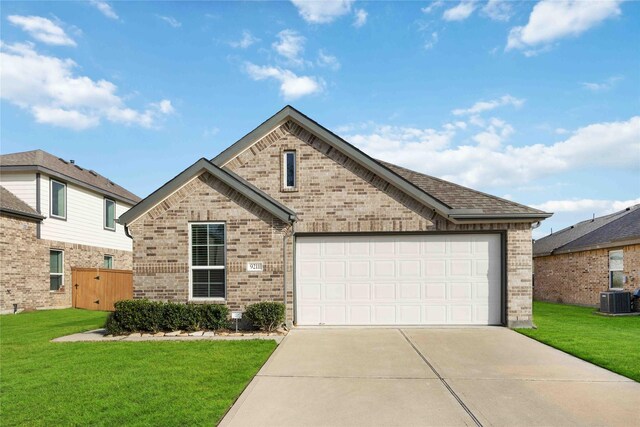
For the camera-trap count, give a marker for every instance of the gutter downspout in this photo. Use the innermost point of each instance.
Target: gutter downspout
(284, 269)
(126, 232)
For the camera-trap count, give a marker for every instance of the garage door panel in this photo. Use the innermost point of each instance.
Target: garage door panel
(409, 291)
(409, 269)
(384, 291)
(359, 248)
(359, 269)
(394, 279)
(335, 314)
(335, 269)
(435, 291)
(384, 268)
(360, 314)
(359, 291)
(335, 292)
(332, 248)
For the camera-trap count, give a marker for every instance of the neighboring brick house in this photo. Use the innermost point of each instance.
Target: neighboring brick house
(55, 215)
(577, 263)
(293, 213)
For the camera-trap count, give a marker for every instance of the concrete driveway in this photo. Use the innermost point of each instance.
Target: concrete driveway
(430, 376)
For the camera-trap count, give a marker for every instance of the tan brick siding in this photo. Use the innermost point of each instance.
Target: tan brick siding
(24, 270)
(161, 244)
(579, 277)
(333, 194)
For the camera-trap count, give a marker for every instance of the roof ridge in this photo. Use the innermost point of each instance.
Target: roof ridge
(458, 185)
(624, 212)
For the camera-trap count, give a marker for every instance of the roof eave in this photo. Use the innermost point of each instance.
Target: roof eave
(603, 245)
(14, 212)
(511, 217)
(55, 174)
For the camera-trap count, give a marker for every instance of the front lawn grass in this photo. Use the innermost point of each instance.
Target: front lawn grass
(610, 342)
(116, 383)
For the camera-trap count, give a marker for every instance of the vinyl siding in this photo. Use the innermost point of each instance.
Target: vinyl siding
(23, 185)
(85, 219)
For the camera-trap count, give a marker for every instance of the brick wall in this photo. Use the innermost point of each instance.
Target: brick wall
(333, 194)
(579, 277)
(24, 271)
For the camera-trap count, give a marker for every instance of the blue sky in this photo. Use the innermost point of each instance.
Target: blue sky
(537, 102)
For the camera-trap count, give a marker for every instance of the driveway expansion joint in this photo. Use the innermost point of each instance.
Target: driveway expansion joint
(443, 380)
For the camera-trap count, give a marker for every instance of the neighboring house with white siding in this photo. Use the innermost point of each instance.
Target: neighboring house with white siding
(55, 215)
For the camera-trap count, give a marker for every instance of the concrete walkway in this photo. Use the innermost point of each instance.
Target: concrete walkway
(436, 376)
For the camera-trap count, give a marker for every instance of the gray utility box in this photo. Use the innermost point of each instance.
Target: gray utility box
(615, 302)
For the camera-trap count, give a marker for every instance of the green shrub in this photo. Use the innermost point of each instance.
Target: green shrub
(267, 315)
(214, 316)
(150, 316)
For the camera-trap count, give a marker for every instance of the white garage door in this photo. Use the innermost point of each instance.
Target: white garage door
(446, 279)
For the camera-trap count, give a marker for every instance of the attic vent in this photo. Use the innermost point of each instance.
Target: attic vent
(79, 167)
(92, 172)
(63, 160)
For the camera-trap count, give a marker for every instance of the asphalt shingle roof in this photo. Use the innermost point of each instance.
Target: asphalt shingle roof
(9, 202)
(456, 196)
(49, 161)
(604, 230)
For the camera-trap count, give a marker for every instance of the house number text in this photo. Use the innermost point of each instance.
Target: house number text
(255, 266)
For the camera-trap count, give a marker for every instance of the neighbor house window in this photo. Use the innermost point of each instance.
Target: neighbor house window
(58, 199)
(208, 278)
(289, 161)
(109, 214)
(616, 267)
(56, 270)
(108, 261)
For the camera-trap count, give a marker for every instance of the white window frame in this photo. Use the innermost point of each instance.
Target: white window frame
(64, 184)
(611, 271)
(105, 258)
(206, 267)
(56, 274)
(104, 214)
(285, 164)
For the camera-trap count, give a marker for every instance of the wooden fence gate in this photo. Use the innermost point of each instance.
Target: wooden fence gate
(99, 289)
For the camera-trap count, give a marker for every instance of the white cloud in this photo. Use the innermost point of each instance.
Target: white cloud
(292, 86)
(105, 8)
(48, 88)
(551, 20)
(326, 60)
(246, 41)
(494, 134)
(490, 164)
(360, 18)
(322, 11)
(290, 45)
(42, 29)
(431, 41)
(602, 86)
(460, 12)
(482, 106)
(432, 6)
(171, 21)
(599, 207)
(498, 10)
(561, 131)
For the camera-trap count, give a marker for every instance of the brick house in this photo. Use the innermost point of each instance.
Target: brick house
(293, 213)
(577, 263)
(55, 215)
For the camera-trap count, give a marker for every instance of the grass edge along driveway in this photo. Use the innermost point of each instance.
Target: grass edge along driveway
(116, 383)
(610, 342)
